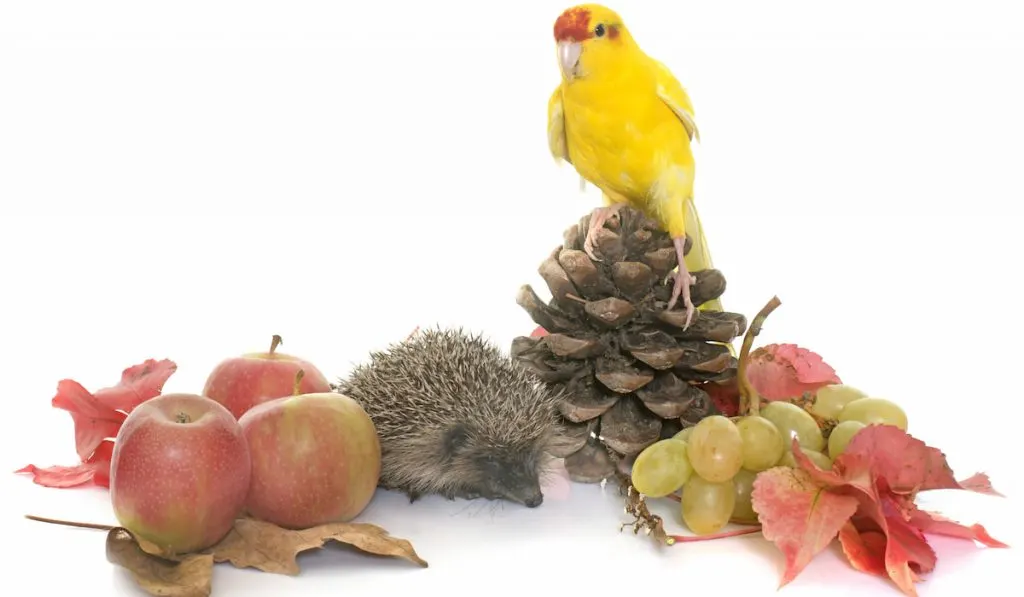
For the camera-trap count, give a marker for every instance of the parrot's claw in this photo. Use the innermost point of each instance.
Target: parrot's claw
(683, 280)
(598, 217)
(588, 244)
(681, 289)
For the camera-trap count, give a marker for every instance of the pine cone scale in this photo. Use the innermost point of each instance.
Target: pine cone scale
(572, 437)
(628, 427)
(668, 396)
(620, 376)
(590, 464)
(562, 345)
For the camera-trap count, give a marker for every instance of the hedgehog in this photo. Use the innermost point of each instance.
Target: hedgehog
(457, 418)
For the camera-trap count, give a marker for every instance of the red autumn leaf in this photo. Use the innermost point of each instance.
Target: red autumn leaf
(725, 396)
(980, 483)
(906, 463)
(98, 418)
(138, 384)
(798, 515)
(95, 470)
(884, 468)
(538, 332)
(784, 371)
(94, 421)
(864, 550)
(936, 524)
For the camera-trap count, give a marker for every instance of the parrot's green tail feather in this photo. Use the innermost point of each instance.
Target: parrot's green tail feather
(699, 257)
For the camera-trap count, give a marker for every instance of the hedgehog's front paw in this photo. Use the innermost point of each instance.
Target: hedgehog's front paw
(413, 496)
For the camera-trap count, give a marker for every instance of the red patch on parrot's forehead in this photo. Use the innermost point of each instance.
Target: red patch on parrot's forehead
(574, 25)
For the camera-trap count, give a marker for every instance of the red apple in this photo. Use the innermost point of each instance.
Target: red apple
(315, 459)
(239, 383)
(180, 472)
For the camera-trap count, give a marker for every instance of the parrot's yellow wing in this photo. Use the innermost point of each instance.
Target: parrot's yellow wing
(671, 91)
(557, 142)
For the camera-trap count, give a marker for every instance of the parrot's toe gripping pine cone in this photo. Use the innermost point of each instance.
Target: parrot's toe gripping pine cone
(630, 373)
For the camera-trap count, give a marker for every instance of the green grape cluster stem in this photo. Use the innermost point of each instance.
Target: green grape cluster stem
(750, 400)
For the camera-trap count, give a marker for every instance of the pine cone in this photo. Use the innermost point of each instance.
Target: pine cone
(629, 372)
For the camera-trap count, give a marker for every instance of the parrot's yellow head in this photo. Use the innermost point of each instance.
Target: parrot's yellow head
(589, 38)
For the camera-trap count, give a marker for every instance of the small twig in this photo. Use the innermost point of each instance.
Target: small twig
(750, 400)
(68, 523)
(673, 539)
(806, 401)
(573, 297)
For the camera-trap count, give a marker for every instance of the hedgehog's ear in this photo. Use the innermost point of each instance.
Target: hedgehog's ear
(455, 439)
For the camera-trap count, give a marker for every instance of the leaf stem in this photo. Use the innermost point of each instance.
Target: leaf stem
(750, 400)
(673, 539)
(68, 523)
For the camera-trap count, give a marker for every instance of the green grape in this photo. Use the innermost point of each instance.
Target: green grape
(817, 458)
(715, 449)
(743, 486)
(661, 468)
(829, 400)
(841, 436)
(706, 507)
(762, 443)
(872, 411)
(794, 421)
(684, 434)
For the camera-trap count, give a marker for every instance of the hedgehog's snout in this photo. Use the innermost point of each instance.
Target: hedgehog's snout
(522, 485)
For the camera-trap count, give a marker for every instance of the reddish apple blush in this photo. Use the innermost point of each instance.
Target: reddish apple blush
(241, 382)
(180, 472)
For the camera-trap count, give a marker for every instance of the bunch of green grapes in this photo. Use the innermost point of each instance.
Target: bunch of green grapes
(715, 462)
(853, 410)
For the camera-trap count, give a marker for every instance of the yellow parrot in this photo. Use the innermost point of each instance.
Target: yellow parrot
(625, 124)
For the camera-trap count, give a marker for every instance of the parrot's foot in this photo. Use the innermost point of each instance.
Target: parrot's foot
(598, 217)
(683, 280)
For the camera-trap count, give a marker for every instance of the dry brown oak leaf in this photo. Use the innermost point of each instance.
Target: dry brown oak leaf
(186, 576)
(250, 544)
(257, 544)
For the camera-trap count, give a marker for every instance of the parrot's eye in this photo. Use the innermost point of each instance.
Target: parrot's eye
(599, 31)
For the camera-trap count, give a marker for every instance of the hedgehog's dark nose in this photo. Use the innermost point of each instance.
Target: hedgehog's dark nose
(534, 501)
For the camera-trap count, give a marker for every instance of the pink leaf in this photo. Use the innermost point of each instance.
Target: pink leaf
(784, 371)
(798, 515)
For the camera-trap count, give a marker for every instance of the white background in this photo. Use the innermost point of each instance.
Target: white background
(183, 180)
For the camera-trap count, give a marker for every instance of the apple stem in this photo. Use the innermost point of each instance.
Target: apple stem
(183, 418)
(750, 400)
(673, 539)
(68, 523)
(298, 381)
(275, 342)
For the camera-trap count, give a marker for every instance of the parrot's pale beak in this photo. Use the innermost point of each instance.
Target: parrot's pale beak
(569, 58)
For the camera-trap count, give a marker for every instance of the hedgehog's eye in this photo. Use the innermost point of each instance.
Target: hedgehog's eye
(599, 31)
